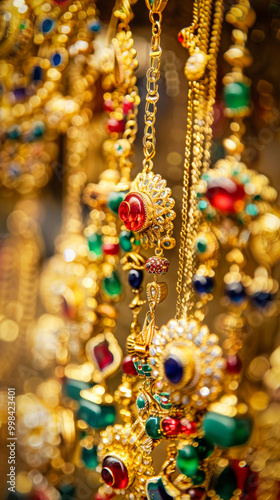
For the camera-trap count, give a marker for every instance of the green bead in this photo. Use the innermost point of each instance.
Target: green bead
(112, 285)
(188, 461)
(89, 457)
(201, 244)
(97, 416)
(204, 448)
(226, 431)
(202, 205)
(115, 199)
(252, 209)
(155, 490)
(95, 244)
(236, 95)
(198, 478)
(72, 388)
(226, 484)
(125, 240)
(153, 427)
(141, 401)
(38, 129)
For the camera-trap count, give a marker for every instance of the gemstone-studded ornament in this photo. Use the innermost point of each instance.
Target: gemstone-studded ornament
(147, 210)
(157, 265)
(105, 354)
(187, 376)
(123, 464)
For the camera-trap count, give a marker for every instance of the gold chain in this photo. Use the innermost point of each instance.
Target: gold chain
(201, 97)
(152, 95)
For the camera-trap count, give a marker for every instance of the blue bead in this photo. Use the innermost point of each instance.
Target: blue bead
(47, 25)
(203, 284)
(262, 299)
(235, 292)
(94, 25)
(56, 59)
(37, 74)
(173, 369)
(135, 278)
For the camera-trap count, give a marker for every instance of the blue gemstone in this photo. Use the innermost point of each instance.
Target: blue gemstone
(203, 284)
(47, 25)
(56, 59)
(262, 299)
(37, 74)
(135, 278)
(173, 369)
(235, 292)
(20, 93)
(94, 25)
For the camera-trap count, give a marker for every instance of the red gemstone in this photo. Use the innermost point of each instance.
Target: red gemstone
(174, 426)
(128, 366)
(132, 212)
(111, 248)
(226, 195)
(108, 105)
(102, 355)
(127, 106)
(180, 37)
(241, 473)
(196, 493)
(114, 125)
(114, 473)
(234, 364)
(157, 265)
(171, 426)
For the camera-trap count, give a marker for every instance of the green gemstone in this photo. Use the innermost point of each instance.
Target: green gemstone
(139, 370)
(198, 478)
(165, 401)
(202, 205)
(125, 240)
(153, 427)
(188, 461)
(226, 431)
(95, 244)
(147, 369)
(89, 457)
(236, 95)
(252, 209)
(72, 388)
(115, 199)
(201, 244)
(97, 416)
(137, 242)
(112, 285)
(38, 129)
(141, 401)
(226, 484)
(155, 490)
(204, 448)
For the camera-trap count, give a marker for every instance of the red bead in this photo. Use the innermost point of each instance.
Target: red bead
(108, 105)
(114, 125)
(171, 426)
(174, 426)
(127, 106)
(234, 364)
(114, 473)
(102, 355)
(132, 212)
(111, 248)
(226, 195)
(128, 366)
(180, 37)
(196, 493)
